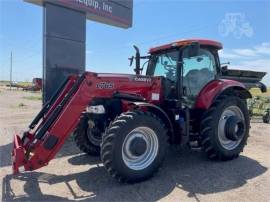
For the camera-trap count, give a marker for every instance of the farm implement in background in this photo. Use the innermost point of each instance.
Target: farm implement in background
(259, 106)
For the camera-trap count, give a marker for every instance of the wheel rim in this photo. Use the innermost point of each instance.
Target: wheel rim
(223, 139)
(142, 159)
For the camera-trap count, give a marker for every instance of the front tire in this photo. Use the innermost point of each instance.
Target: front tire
(225, 128)
(82, 140)
(134, 146)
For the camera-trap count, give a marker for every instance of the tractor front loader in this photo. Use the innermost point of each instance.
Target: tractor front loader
(186, 97)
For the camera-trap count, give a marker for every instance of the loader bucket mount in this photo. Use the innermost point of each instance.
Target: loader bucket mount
(53, 124)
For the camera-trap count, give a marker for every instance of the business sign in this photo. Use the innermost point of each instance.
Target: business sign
(112, 12)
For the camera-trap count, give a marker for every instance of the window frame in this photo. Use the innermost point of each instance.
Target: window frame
(211, 58)
(180, 86)
(150, 68)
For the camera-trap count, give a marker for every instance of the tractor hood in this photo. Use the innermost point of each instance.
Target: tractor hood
(146, 87)
(127, 77)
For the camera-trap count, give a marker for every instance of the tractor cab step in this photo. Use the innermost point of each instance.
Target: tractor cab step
(194, 145)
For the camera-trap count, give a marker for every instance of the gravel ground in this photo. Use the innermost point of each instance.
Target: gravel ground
(185, 176)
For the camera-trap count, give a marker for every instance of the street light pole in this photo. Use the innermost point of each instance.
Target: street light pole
(10, 73)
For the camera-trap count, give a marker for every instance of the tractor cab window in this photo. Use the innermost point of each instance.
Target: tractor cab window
(164, 64)
(197, 71)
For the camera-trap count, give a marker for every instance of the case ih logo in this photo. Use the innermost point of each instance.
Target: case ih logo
(142, 79)
(105, 85)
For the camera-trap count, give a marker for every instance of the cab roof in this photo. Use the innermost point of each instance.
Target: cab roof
(183, 42)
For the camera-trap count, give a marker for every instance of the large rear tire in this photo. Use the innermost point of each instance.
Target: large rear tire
(134, 146)
(225, 128)
(82, 140)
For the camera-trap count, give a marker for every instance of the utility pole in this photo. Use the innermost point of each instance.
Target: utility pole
(10, 73)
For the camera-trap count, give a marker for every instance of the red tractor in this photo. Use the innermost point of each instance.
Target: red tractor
(35, 86)
(186, 97)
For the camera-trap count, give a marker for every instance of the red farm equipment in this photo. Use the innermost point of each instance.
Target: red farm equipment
(186, 97)
(35, 86)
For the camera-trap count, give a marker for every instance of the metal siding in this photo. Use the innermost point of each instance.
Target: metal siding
(63, 46)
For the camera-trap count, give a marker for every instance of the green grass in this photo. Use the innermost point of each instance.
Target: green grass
(257, 92)
(24, 83)
(20, 83)
(4, 83)
(260, 101)
(32, 97)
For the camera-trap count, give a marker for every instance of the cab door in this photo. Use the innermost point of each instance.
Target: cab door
(197, 72)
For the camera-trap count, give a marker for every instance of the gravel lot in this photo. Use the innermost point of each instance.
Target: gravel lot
(185, 176)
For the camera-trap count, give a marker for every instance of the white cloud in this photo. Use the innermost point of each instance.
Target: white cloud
(255, 65)
(262, 50)
(262, 65)
(88, 52)
(256, 58)
(228, 54)
(245, 52)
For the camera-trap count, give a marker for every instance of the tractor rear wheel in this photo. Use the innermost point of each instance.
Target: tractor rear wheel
(85, 140)
(225, 128)
(133, 146)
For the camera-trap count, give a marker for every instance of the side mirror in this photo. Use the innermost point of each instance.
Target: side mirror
(193, 49)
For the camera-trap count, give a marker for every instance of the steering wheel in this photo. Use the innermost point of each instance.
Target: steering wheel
(170, 68)
(167, 66)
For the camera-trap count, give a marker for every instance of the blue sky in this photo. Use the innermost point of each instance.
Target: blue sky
(242, 26)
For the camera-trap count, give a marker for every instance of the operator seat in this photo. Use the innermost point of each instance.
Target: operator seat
(196, 79)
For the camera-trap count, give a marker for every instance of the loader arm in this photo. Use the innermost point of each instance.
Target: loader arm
(55, 122)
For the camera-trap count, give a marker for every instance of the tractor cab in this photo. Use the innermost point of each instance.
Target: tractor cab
(186, 67)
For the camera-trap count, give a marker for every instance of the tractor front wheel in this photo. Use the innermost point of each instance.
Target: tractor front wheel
(225, 128)
(133, 146)
(85, 138)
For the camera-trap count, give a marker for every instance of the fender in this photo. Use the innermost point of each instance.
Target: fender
(217, 87)
(158, 112)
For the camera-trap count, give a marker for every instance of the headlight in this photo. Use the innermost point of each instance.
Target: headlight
(97, 109)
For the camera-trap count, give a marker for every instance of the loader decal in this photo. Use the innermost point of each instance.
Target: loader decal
(105, 85)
